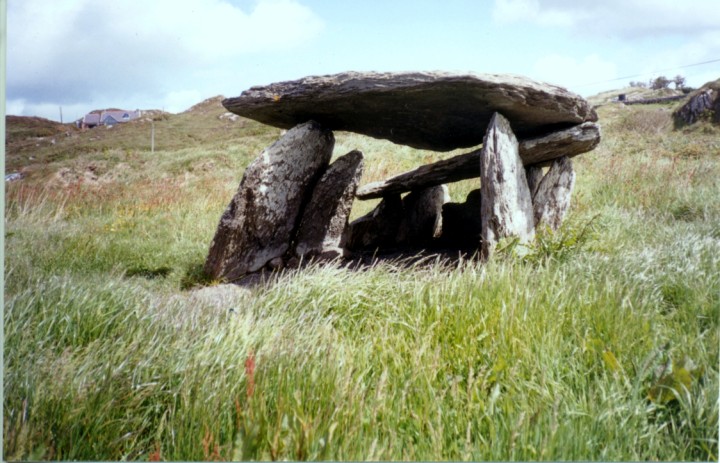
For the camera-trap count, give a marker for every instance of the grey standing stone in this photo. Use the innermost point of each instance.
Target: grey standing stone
(378, 228)
(324, 222)
(534, 176)
(422, 219)
(506, 206)
(552, 200)
(259, 222)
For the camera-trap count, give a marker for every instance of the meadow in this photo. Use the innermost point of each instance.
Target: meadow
(600, 343)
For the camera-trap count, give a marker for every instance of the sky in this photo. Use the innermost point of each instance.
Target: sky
(78, 55)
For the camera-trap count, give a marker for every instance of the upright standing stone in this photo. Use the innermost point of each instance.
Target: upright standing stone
(534, 176)
(258, 224)
(324, 222)
(552, 200)
(506, 206)
(422, 219)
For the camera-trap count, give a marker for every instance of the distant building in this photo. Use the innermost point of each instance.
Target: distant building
(109, 117)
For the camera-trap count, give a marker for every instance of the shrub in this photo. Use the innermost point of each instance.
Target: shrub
(660, 83)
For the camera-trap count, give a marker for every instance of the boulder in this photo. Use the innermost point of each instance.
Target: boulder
(535, 151)
(422, 216)
(429, 110)
(324, 222)
(378, 228)
(506, 207)
(704, 102)
(461, 224)
(552, 200)
(259, 222)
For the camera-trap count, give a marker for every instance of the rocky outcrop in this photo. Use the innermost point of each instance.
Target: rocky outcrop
(703, 103)
(323, 226)
(536, 151)
(259, 223)
(430, 110)
(506, 207)
(551, 202)
(422, 216)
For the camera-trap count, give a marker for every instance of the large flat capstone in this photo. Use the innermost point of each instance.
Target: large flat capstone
(429, 110)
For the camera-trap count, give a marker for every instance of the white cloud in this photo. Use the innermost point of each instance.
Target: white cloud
(86, 50)
(624, 18)
(509, 11)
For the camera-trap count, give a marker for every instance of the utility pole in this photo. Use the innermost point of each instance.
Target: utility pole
(61, 121)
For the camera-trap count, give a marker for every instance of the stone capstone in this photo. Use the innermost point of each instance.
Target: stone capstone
(323, 226)
(258, 224)
(506, 207)
(430, 110)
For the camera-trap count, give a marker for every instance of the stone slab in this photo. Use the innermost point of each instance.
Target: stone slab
(325, 219)
(535, 151)
(429, 110)
(505, 205)
(258, 224)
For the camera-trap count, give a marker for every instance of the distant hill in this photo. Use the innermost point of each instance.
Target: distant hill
(20, 128)
(632, 93)
(33, 140)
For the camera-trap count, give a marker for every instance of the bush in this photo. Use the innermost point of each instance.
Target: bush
(660, 83)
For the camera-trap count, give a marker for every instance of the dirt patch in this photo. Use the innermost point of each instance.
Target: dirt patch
(93, 174)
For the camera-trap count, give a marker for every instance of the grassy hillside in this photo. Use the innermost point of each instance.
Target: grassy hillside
(601, 344)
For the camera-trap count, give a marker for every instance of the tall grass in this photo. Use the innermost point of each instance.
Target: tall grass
(599, 343)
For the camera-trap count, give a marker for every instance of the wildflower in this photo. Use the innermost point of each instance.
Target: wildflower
(250, 373)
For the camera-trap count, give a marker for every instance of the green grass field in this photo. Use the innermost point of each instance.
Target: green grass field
(600, 344)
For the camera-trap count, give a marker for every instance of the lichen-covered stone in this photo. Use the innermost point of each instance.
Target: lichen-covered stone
(552, 200)
(506, 206)
(702, 103)
(259, 222)
(430, 110)
(324, 222)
